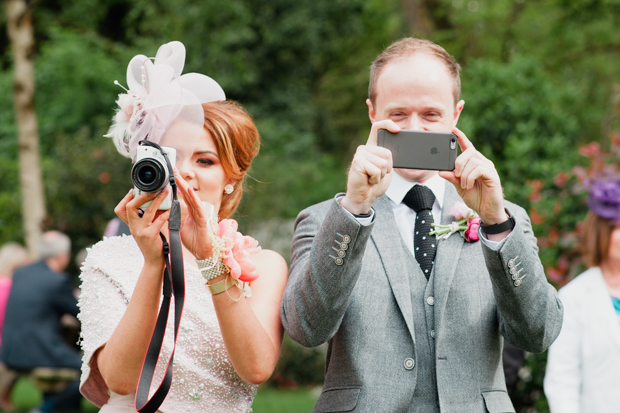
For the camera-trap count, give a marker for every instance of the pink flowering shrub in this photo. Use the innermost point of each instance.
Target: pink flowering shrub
(240, 248)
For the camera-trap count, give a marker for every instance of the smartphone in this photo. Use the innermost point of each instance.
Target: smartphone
(411, 149)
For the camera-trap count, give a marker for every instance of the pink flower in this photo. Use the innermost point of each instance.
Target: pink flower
(471, 233)
(241, 247)
(460, 211)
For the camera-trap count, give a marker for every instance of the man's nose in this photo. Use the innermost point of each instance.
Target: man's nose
(414, 123)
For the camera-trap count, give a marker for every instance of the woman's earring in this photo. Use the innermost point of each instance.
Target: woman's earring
(229, 189)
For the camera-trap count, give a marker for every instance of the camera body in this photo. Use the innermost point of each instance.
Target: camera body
(150, 172)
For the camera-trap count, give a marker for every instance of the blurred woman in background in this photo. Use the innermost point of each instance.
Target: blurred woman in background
(12, 256)
(583, 367)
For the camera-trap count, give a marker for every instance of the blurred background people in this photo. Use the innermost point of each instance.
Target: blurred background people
(583, 369)
(12, 256)
(40, 295)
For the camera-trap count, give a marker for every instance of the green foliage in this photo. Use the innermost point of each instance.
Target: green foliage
(298, 365)
(298, 67)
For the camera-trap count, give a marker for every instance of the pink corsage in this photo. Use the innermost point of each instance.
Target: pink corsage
(466, 222)
(237, 250)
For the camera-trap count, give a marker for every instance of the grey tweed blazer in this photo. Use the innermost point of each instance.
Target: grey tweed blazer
(349, 286)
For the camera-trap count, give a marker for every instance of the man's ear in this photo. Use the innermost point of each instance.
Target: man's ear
(371, 111)
(457, 112)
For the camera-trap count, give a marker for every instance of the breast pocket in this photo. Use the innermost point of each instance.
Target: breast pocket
(337, 399)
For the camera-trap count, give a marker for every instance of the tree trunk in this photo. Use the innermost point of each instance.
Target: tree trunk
(21, 35)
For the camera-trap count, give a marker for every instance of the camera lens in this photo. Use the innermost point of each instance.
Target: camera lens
(149, 175)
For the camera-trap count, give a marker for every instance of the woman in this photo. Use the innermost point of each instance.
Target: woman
(228, 342)
(583, 368)
(12, 256)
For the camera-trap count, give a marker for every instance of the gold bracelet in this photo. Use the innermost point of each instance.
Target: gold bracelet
(222, 285)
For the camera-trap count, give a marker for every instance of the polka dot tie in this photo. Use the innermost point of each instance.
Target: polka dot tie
(421, 200)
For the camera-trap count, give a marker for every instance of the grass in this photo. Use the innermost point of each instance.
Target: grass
(26, 395)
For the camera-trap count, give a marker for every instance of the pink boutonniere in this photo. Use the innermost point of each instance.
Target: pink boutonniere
(237, 251)
(466, 222)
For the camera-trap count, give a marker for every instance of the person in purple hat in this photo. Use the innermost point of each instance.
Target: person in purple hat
(583, 368)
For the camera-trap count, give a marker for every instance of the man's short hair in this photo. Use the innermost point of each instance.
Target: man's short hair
(53, 243)
(407, 47)
(595, 238)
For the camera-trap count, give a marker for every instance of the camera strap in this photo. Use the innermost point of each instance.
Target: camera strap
(173, 285)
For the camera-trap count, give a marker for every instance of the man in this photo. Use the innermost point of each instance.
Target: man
(40, 295)
(410, 329)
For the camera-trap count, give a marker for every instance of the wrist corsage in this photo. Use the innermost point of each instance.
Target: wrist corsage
(231, 255)
(466, 222)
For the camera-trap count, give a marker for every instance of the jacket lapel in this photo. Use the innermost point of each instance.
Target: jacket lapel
(388, 241)
(448, 253)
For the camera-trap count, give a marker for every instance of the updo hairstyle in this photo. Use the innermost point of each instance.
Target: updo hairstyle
(237, 141)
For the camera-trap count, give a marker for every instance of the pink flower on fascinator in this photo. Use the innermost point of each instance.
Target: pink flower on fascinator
(471, 233)
(239, 248)
(460, 211)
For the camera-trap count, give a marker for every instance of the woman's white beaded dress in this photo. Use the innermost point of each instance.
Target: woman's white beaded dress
(204, 379)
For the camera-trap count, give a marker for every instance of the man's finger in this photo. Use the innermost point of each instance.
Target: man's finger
(464, 142)
(382, 124)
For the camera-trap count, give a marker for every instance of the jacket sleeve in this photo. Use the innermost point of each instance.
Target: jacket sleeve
(326, 260)
(63, 299)
(563, 375)
(530, 312)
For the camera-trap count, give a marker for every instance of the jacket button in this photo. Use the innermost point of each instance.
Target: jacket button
(515, 276)
(346, 239)
(517, 283)
(344, 246)
(433, 333)
(341, 254)
(339, 261)
(430, 300)
(409, 363)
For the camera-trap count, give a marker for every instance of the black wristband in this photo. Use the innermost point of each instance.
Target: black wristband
(498, 228)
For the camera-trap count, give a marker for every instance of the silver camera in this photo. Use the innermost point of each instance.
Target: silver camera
(150, 172)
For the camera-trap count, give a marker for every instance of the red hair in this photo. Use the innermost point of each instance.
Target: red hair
(237, 141)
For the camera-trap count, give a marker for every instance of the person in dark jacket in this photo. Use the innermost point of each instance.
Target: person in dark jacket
(40, 295)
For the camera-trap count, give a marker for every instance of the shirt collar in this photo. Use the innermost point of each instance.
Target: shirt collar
(400, 186)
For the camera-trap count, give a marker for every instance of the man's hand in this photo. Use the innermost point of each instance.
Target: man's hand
(477, 182)
(370, 173)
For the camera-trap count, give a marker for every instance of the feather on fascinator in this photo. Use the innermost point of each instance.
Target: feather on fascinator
(159, 99)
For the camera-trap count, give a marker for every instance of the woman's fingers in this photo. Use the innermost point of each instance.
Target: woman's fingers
(149, 212)
(192, 200)
(121, 208)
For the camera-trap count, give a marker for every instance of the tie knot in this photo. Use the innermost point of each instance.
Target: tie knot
(419, 198)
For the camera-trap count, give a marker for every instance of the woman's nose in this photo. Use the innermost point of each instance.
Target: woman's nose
(185, 170)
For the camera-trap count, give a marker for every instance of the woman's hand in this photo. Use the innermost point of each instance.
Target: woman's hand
(194, 232)
(145, 230)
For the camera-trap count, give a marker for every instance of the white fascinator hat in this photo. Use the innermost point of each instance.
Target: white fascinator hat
(161, 105)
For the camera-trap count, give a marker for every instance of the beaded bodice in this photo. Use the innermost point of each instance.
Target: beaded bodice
(204, 379)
